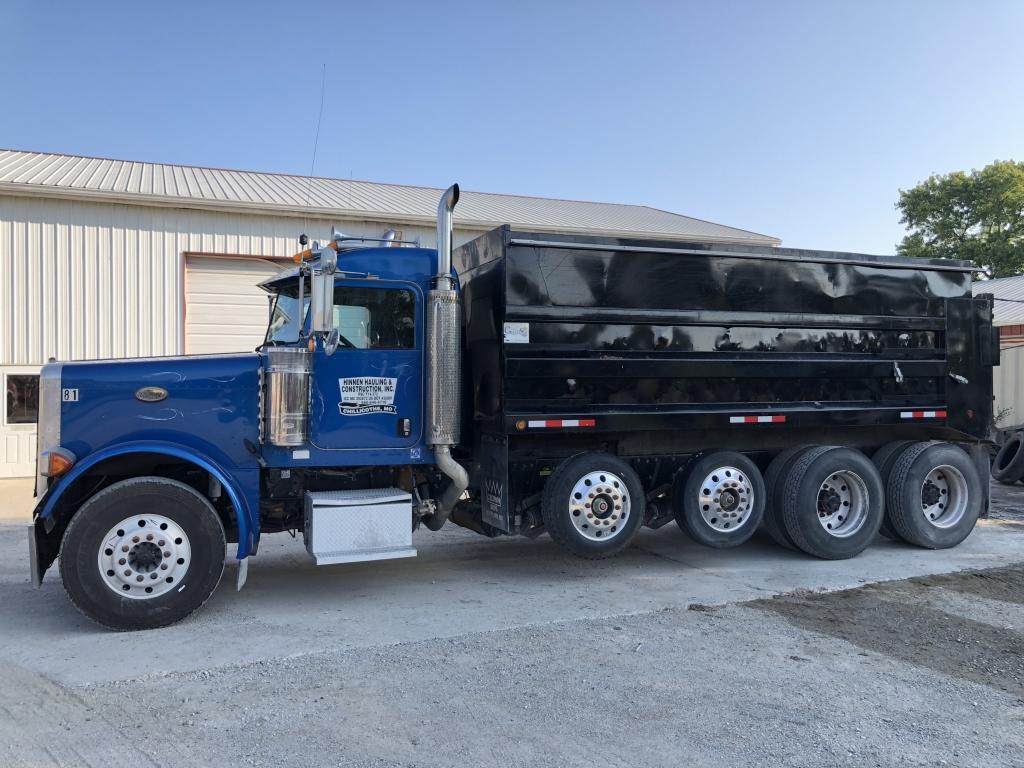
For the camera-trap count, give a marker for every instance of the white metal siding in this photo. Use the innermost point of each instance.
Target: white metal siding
(1008, 387)
(225, 311)
(84, 280)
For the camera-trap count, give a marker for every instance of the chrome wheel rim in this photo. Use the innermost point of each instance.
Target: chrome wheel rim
(726, 498)
(944, 496)
(144, 557)
(843, 504)
(599, 506)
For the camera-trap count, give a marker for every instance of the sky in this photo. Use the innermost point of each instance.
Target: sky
(801, 120)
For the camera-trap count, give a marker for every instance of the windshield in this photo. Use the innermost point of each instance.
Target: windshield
(286, 320)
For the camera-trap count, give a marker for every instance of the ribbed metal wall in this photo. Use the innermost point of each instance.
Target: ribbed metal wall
(83, 280)
(1008, 387)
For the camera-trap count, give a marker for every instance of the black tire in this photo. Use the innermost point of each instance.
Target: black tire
(200, 551)
(911, 483)
(1008, 465)
(884, 458)
(774, 478)
(823, 476)
(742, 488)
(587, 531)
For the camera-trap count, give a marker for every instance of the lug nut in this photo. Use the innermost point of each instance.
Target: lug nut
(127, 573)
(139, 577)
(149, 537)
(135, 539)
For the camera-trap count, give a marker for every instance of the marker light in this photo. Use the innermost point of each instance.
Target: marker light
(57, 462)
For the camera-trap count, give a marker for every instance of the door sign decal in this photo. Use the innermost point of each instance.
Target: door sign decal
(367, 394)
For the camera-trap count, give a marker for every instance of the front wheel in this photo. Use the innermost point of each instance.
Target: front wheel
(142, 553)
(593, 505)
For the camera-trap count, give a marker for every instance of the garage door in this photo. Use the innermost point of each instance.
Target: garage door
(225, 311)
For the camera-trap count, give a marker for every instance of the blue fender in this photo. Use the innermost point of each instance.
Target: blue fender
(244, 496)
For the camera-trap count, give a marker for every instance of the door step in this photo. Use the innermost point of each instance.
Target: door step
(360, 525)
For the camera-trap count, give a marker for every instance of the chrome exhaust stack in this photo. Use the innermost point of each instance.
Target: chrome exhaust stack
(444, 365)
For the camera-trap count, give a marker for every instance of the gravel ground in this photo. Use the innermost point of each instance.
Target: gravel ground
(902, 673)
(446, 664)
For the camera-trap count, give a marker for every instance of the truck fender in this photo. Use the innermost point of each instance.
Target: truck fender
(247, 530)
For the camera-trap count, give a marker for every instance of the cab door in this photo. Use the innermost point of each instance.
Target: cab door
(368, 394)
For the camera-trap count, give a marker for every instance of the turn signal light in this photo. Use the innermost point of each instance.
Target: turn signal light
(57, 462)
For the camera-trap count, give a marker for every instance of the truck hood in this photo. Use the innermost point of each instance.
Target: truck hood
(202, 403)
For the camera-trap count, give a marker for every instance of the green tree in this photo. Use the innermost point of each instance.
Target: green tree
(978, 216)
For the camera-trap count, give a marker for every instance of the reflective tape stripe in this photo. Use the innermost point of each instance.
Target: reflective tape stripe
(561, 423)
(922, 414)
(779, 419)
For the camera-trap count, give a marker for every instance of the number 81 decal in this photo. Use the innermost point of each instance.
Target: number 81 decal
(69, 395)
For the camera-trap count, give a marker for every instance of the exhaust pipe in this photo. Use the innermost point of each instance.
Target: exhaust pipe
(444, 235)
(444, 364)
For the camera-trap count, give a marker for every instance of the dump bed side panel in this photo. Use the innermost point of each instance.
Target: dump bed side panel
(670, 339)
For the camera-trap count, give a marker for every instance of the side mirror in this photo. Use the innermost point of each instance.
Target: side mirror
(321, 281)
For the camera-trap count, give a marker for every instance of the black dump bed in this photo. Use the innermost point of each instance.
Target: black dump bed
(617, 335)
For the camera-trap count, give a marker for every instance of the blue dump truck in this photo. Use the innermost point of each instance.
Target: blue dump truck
(525, 383)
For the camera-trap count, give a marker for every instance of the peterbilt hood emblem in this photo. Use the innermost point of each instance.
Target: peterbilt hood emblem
(150, 394)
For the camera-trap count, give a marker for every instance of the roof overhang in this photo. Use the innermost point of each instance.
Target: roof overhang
(271, 209)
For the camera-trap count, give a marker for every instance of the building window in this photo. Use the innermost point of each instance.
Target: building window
(22, 399)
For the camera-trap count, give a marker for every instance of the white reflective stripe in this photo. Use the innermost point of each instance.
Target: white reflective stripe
(764, 419)
(906, 414)
(536, 423)
(570, 422)
(736, 420)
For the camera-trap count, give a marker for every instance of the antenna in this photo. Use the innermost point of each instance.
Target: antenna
(316, 142)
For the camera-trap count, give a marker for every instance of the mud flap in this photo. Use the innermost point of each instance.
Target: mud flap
(982, 459)
(494, 503)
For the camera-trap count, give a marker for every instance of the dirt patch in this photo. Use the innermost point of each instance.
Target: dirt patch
(893, 619)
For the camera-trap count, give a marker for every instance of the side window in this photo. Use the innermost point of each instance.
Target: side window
(22, 399)
(375, 318)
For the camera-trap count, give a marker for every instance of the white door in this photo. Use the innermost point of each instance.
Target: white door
(225, 311)
(18, 421)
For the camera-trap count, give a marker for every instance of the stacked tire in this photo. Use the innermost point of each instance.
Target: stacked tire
(1008, 465)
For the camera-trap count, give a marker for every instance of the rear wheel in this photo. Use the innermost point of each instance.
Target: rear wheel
(719, 500)
(593, 505)
(774, 480)
(832, 502)
(934, 495)
(884, 458)
(142, 553)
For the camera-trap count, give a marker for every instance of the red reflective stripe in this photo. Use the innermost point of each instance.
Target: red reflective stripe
(940, 414)
(778, 419)
(553, 423)
(588, 422)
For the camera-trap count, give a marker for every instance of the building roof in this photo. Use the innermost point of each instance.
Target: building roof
(126, 181)
(1009, 312)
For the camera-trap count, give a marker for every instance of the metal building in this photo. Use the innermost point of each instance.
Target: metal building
(108, 258)
(1008, 376)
